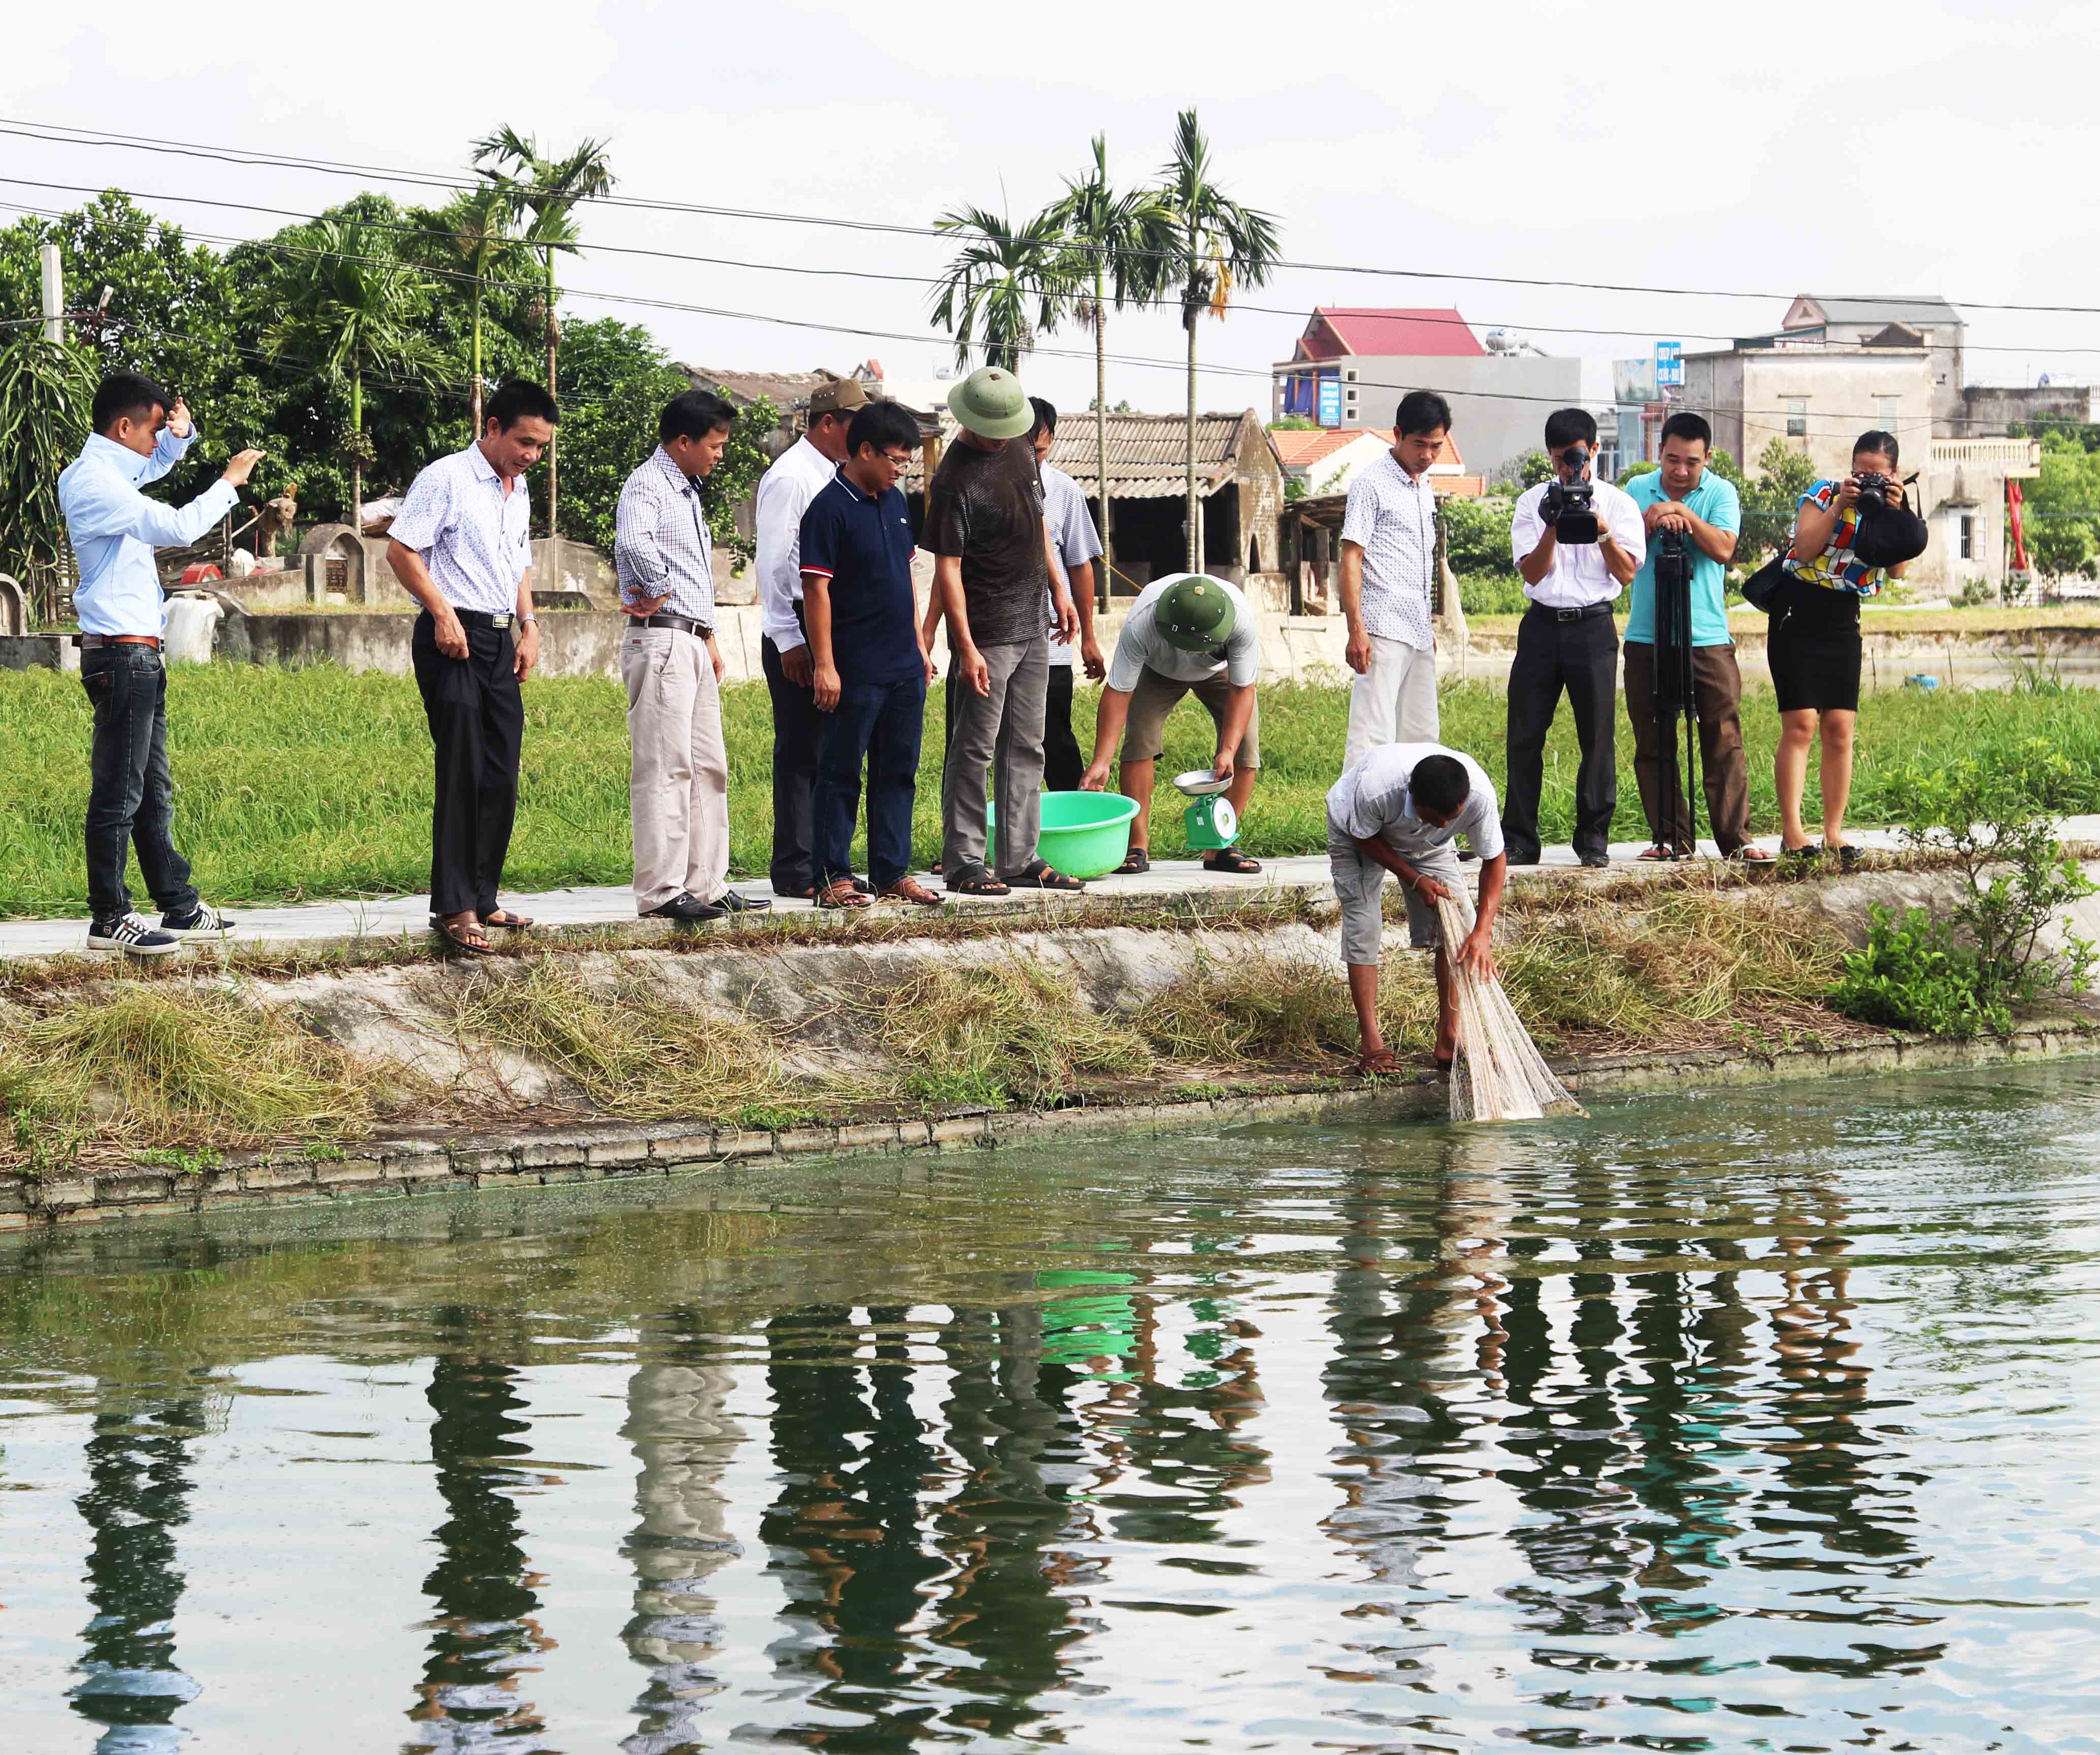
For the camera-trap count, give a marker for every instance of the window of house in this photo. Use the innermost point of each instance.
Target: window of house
(1351, 376)
(1968, 536)
(1885, 413)
(1797, 417)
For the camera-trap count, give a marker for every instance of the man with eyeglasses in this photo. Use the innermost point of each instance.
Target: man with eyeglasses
(871, 666)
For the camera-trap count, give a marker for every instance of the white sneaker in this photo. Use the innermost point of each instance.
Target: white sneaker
(206, 921)
(132, 935)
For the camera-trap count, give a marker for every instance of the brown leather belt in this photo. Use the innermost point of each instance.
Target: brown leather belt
(89, 641)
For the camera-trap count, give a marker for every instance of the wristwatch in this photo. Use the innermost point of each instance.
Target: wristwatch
(526, 621)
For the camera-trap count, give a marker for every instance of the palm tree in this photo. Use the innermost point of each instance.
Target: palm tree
(1216, 244)
(1117, 244)
(477, 224)
(549, 189)
(352, 305)
(1000, 273)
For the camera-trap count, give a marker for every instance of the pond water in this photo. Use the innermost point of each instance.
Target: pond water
(1750, 1420)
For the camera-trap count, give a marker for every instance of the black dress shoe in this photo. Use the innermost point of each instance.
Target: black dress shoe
(731, 903)
(1596, 861)
(687, 910)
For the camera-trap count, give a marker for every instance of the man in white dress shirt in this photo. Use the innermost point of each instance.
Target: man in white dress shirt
(671, 667)
(1389, 582)
(797, 476)
(461, 547)
(1574, 566)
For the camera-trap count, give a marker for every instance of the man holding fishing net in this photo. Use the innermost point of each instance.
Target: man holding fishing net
(1396, 809)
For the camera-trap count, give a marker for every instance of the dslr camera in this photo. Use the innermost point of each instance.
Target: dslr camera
(1566, 504)
(1874, 488)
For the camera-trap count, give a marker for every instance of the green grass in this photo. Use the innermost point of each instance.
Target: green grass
(298, 785)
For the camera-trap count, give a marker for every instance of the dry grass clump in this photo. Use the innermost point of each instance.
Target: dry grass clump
(156, 1065)
(1278, 1007)
(631, 1052)
(996, 1034)
(1676, 972)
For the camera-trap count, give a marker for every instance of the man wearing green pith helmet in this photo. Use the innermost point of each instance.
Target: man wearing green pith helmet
(1187, 634)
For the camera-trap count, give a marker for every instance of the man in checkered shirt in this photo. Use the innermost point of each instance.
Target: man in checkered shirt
(1388, 580)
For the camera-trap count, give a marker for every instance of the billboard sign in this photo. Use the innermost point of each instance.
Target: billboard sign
(1330, 402)
(1668, 363)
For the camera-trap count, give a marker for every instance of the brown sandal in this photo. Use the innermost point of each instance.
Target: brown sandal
(467, 935)
(910, 890)
(842, 893)
(506, 922)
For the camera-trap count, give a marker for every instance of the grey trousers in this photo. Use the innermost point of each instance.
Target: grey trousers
(1002, 730)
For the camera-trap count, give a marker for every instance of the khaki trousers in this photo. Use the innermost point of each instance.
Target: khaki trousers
(678, 788)
(1394, 702)
(1717, 688)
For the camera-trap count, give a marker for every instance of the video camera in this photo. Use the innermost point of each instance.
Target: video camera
(1566, 504)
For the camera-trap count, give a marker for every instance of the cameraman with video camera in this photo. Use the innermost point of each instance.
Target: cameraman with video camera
(1577, 541)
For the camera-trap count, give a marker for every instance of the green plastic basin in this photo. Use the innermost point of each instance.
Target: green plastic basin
(1085, 834)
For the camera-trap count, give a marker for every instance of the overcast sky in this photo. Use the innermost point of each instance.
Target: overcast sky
(1679, 146)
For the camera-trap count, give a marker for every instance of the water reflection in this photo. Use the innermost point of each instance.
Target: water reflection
(1349, 1439)
(139, 1486)
(485, 1639)
(684, 1439)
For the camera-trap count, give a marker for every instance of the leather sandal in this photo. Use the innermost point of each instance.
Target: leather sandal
(1135, 864)
(1040, 874)
(910, 890)
(842, 893)
(507, 921)
(467, 935)
(973, 880)
(1233, 860)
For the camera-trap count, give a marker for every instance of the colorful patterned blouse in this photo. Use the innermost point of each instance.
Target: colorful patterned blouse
(1836, 568)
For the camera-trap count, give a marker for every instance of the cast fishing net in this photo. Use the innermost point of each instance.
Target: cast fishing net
(1499, 1074)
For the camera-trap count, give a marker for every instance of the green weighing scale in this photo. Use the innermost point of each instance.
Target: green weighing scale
(1211, 822)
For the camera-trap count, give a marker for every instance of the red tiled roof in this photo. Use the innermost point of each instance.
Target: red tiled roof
(1300, 449)
(1337, 329)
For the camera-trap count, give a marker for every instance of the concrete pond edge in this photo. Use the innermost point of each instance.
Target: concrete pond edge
(563, 1156)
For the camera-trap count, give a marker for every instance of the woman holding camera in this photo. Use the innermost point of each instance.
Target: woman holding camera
(1813, 647)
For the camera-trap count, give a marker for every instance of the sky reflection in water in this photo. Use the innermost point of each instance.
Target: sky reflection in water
(1761, 1419)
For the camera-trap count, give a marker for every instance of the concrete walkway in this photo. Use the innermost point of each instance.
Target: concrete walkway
(398, 916)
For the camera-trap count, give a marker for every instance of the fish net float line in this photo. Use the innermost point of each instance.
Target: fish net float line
(1498, 1074)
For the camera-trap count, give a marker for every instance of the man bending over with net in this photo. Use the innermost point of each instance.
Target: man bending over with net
(1396, 809)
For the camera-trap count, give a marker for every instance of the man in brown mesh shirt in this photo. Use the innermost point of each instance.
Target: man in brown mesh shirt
(984, 527)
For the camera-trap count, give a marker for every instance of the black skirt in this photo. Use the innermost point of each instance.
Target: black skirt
(1814, 649)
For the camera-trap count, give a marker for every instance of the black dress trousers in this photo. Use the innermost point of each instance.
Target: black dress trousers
(476, 718)
(796, 723)
(1581, 657)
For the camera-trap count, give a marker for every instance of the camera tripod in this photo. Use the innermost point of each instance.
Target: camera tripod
(1676, 693)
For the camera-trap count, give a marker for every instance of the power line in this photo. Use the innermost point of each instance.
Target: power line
(62, 135)
(1139, 360)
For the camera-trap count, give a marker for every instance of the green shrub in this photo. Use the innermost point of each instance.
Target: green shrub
(1913, 976)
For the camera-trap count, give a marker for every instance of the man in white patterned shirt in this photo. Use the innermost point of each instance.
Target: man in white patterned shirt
(461, 547)
(1389, 581)
(678, 785)
(798, 475)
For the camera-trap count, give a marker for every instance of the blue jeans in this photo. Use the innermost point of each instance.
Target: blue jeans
(879, 722)
(130, 799)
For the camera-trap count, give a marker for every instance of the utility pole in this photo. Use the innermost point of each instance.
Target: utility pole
(53, 289)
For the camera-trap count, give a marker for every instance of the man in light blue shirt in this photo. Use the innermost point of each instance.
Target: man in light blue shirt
(1686, 501)
(139, 434)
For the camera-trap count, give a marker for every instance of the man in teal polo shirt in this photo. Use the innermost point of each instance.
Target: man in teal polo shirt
(1685, 497)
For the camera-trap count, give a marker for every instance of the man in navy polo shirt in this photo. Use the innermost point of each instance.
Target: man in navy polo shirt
(871, 670)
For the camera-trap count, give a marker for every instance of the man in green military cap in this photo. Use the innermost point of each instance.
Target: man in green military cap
(984, 527)
(1187, 634)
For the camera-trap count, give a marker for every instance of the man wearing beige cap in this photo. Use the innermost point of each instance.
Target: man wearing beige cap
(797, 476)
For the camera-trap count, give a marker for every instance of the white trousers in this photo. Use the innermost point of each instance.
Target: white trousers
(678, 792)
(1394, 702)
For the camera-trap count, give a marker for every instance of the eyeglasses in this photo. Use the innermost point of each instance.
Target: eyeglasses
(897, 462)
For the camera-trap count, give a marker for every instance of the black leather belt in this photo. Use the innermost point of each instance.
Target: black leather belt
(680, 624)
(481, 618)
(1586, 612)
